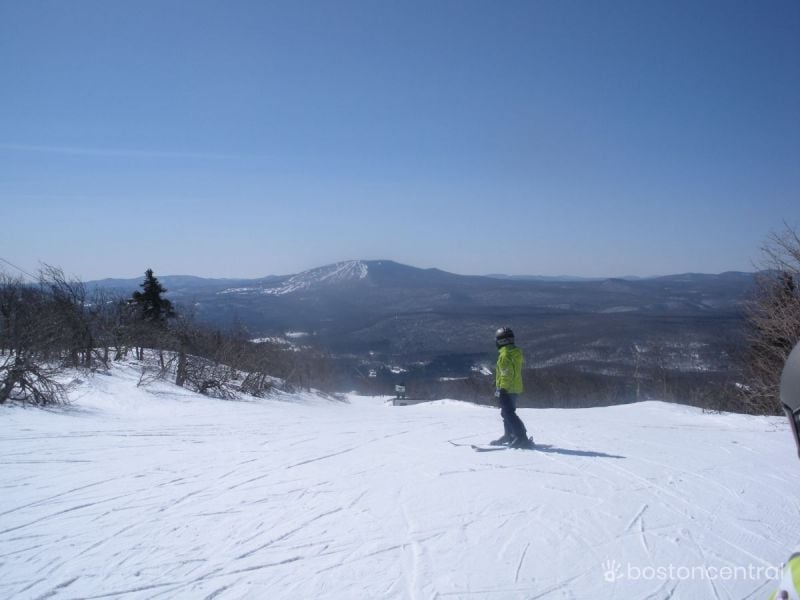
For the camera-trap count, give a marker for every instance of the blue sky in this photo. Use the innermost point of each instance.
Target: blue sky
(252, 138)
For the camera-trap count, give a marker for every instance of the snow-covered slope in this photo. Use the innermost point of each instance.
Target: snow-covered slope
(159, 493)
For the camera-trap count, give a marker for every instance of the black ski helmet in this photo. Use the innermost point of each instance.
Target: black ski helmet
(790, 392)
(503, 337)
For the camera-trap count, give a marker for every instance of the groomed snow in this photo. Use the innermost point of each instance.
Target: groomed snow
(159, 493)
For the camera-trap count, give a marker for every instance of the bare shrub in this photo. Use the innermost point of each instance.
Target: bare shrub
(773, 319)
(210, 379)
(22, 379)
(258, 384)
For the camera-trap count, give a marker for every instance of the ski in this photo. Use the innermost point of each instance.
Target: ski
(493, 448)
(479, 448)
(488, 448)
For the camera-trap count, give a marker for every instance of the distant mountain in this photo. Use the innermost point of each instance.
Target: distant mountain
(694, 321)
(555, 277)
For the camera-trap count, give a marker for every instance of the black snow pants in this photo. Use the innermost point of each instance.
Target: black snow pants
(512, 424)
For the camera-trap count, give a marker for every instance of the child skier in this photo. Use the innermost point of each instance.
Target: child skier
(508, 384)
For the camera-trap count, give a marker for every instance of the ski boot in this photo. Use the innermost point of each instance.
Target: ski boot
(505, 440)
(522, 443)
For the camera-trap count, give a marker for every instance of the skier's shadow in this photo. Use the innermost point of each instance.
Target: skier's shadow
(590, 453)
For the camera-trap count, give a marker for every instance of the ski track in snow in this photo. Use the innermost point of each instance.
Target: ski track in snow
(154, 493)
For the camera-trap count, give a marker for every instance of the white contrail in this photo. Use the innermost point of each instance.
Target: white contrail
(126, 152)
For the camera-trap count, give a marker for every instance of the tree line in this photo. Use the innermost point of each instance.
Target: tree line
(57, 323)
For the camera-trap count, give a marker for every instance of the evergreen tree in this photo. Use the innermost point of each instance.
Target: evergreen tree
(152, 306)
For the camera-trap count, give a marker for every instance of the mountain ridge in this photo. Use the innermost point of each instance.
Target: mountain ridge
(185, 278)
(410, 315)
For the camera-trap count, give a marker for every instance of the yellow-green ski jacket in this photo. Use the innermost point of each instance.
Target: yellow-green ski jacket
(509, 369)
(790, 578)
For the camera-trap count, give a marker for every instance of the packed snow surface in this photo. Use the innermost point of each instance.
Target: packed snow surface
(154, 492)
